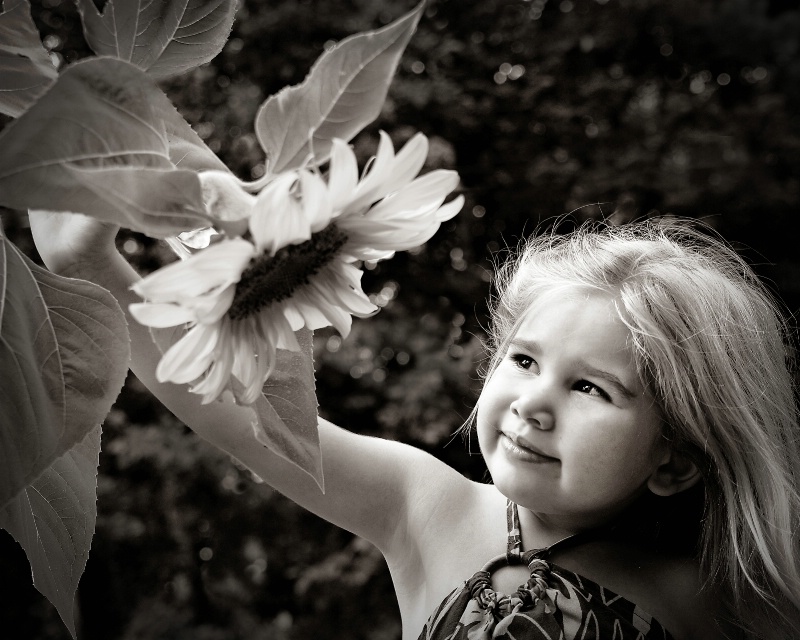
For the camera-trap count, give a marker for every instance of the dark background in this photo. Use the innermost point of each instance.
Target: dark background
(593, 108)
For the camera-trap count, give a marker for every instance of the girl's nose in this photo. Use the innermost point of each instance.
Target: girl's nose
(533, 408)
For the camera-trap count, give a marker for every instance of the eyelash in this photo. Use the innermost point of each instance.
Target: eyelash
(586, 383)
(519, 358)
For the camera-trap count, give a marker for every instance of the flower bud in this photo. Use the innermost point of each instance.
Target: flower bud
(226, 201)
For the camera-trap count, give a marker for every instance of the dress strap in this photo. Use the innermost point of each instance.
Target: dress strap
(514, 544)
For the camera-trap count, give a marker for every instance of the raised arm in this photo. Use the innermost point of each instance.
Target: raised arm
(369, 482)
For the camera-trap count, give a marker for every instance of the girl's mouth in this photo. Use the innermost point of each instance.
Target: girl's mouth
(525, 453)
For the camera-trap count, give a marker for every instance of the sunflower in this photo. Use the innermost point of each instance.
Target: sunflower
(288, 259)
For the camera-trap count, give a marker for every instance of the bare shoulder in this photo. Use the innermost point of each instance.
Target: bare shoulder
(454, 526)
(387, 488)
(439, 501)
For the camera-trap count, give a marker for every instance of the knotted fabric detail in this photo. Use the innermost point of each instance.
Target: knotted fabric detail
(524, 598)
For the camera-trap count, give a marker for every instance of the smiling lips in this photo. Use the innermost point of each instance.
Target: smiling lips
(523, 450)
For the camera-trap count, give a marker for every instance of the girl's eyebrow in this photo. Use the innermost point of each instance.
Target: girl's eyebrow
(527, 345)
(533, 346)
(611, 379)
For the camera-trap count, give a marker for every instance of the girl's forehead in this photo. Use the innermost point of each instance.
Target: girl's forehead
(572, 300)
(589, 316)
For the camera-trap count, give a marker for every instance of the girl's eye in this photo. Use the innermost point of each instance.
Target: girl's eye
(584, 386)
(522, 361)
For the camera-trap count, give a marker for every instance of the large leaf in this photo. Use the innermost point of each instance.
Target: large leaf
(284, 417)
(25, 68)
(63, 358)
(98, 143)
(54, 518)
(187, 149)
(343, 92)
(31, 382)
(166, 38)
(286, 413)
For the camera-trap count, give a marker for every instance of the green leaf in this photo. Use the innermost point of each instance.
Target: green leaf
(25, 67)
(286, 413)
(165, 38)
(63, 358)
(53, 520)
(284, 417)
(31, 380)
(64, 355)
(99, 143)
(187, 149)
(343, 92)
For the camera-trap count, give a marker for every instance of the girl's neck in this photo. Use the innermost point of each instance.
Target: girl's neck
(666, 524)
(543, 529)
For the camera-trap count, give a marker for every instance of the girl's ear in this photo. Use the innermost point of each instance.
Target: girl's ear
(675, 473)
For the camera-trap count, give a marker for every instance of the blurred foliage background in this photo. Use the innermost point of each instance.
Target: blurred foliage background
(612, 109)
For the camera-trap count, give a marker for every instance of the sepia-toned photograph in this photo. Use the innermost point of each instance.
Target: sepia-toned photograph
(399, 320)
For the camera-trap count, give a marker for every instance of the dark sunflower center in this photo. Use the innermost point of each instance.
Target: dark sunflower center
(269, 279)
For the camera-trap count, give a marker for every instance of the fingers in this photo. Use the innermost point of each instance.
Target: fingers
(64, 240)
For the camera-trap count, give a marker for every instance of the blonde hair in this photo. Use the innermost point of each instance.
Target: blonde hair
(711, 345)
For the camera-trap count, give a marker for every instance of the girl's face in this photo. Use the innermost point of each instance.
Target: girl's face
(564, 423)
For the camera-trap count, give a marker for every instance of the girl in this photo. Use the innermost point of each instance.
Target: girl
(639, 425)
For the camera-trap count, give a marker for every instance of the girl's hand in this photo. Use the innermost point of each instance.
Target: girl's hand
(70, 242)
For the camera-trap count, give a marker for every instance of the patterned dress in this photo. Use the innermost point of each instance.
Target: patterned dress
(554, 604)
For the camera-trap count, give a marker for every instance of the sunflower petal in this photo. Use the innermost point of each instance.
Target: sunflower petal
(322, 298)
(190, 357)
(244, 358)
(160, 315)
(353, 252)
(218, 265)
(343, 174)
(377, 182)
(286, 339)
(210, 308)
(293, 316)
(409, 161)
(426, 190)
(392, 235)
(261, 348)
(215, 381)
(278, 218)
(337, 317)
(316, 201)
(278, 329)
(304, 307)
(345, 289)
(449, 210)
(266, 348)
